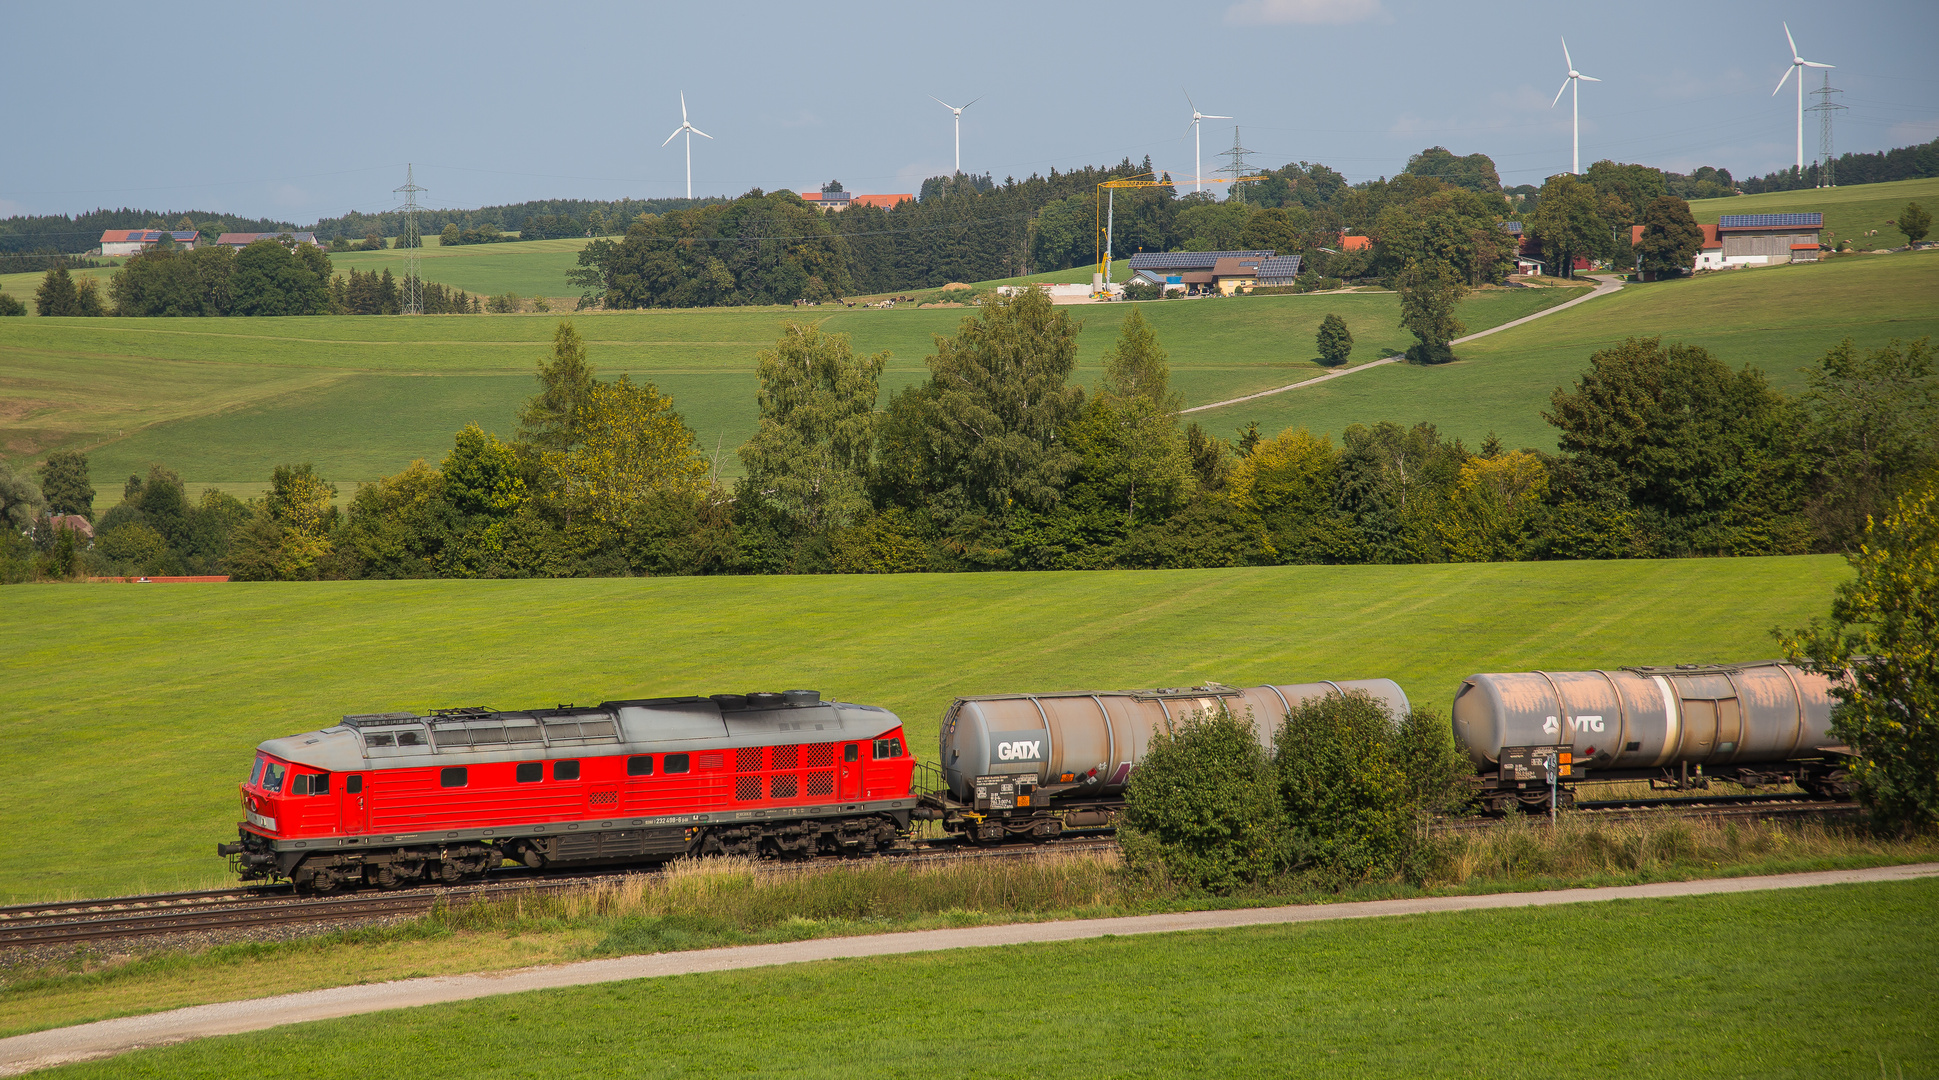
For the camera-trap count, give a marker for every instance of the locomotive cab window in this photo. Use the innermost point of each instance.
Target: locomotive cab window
(852, 752)
(530, 772)
(273, 775)
(453, 777)
(674, 763)
(565, 770)
(311, 785)
(642, 765)
(354, 784)
(895, 747)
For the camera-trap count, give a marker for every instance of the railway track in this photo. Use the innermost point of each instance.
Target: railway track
(158, 914)
(1723, 807)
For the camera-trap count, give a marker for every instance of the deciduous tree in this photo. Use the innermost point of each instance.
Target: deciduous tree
(1334, 340)
(1429, 294)
(631, 443)
(64, 481)
(1914, 222)
(1881, 649)
(1874, 426)
(808, 461)
(1671, 237)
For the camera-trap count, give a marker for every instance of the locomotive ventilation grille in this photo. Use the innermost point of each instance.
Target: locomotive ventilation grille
(747, 788)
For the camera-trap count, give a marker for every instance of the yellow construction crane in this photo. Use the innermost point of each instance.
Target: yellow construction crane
(1102, 236)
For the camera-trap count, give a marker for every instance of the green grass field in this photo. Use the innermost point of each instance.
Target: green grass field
(1777, 319)
(526, 267)
(1849, 211)
(223, 401)
(1833, 981)
(137, 736)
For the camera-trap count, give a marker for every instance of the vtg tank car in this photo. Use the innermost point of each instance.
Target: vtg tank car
(390, 799)
(1031, 765)
(1751, 724)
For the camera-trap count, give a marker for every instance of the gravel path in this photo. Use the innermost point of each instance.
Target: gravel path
(1605, 285)
(24, 1053)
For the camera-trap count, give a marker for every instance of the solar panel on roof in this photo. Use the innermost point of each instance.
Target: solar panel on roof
(1770, 221)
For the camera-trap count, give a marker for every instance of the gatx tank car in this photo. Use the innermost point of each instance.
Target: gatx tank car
(1677, 727)
(1031, 765)
(390, 799)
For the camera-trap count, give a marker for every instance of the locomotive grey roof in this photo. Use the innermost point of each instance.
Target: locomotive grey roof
(651, 725)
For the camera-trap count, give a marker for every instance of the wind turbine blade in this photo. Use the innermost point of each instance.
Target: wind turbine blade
(698, 132)
(973, 101)
(1559, 93)
(1781, 82)
(1565, 54)
(1586, 78)
(683, 106)
(1808, 63)
(1209, 116)
(943, 103)
(1791, 41)
(1188, 100)
(675, 135)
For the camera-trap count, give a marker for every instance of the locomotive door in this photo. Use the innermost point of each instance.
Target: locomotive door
(849, 773)
(356, 815)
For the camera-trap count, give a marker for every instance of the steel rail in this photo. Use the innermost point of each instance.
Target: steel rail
(234, 909)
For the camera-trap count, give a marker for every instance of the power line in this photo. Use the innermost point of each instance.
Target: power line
(412, 300)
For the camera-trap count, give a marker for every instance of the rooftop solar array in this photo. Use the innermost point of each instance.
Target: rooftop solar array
(1279, 266)
(1512, 228)
(1189, 260)
(1771, 221)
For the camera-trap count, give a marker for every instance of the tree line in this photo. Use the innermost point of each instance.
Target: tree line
(1902, 163)
(267, 277)
(1000, 462)
(81, 232)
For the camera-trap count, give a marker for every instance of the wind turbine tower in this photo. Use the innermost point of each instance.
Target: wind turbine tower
(959, 126)
(690, 131)
(1198, 169)
(1797, 63)
(1575, 79)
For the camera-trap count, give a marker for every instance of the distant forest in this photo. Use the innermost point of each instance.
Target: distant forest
(61, 233)
(617, 213)
(1905, 163)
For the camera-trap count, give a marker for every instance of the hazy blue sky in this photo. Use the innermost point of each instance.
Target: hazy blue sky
(310, 110)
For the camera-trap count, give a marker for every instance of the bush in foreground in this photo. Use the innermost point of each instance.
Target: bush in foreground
(1204, 812)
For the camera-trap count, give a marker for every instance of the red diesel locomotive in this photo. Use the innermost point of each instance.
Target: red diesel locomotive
(394, 799)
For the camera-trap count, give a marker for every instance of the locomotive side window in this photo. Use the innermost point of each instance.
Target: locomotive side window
(895, 747)
(674, 763)
(881, 749)
(530, 772)
(565, 770)
(354, 785)
(410, 738)
(300, 786)
(311, 785)
(453, 777)
(852, 752)
(642, 765)
(273, 776)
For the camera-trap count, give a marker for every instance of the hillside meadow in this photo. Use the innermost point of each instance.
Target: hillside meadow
(1849, 212)
(223, 401)
(1777, 319)
(139, 712)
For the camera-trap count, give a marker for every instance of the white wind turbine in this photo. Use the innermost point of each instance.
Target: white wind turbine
(1197, 169)
(1575, 79)
(1796, 63)
(959, 125)
(690, 131)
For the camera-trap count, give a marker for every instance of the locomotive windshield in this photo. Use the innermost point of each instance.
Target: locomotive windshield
(256, 770)
(273, 776)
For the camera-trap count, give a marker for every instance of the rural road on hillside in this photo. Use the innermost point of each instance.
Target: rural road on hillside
(24, 1053)
(1605, 284)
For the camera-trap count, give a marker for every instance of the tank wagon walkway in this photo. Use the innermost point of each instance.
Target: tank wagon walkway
(1605, 284)
(24, 1053)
